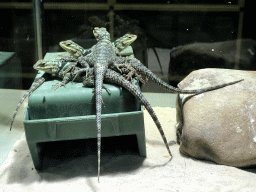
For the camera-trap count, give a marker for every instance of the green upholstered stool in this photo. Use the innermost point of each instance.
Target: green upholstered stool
(68, 113)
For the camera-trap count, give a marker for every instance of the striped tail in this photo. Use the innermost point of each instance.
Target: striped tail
(31, 89)
(141, 69)
(100, 70)
(114, 77)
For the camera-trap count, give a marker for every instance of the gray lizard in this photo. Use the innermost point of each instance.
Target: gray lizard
(134, 63)
(102, 56)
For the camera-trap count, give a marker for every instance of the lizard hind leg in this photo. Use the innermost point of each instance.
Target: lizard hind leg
(129, 72)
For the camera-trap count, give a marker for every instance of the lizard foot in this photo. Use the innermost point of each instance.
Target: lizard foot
(129, 75)
(58, 85)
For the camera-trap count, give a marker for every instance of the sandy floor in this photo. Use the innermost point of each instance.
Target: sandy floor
(128, 171)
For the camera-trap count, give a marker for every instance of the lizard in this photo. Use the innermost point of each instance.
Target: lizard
(102, 56)
(132, 25)
(143, 71)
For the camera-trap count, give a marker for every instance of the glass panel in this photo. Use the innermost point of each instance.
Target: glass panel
(174, 38)
(62, 25)
(17, 48)
(160, 26)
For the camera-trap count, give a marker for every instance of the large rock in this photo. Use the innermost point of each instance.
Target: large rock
(219, 125)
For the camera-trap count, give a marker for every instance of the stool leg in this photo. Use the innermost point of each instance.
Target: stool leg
(35, 154)
(141, 144)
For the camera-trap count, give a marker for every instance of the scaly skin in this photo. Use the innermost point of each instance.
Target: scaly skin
(68, 70)
(60, 68)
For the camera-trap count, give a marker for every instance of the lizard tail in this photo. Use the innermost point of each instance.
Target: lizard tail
(31, 89)
(100, 70)
(114, 77)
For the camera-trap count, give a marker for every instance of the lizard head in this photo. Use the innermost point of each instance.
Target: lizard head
(71, 47)
(101, 33)
(125, 41)
(47, 66)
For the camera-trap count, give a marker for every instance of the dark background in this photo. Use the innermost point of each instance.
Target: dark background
(162, 29)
